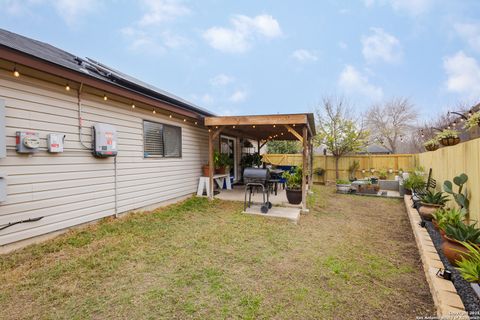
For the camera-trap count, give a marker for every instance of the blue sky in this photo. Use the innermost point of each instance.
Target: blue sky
(271, 56)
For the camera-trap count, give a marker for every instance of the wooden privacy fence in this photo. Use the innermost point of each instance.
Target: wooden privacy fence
(449, 162)
(394, 162)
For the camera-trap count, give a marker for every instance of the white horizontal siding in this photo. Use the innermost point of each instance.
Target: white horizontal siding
(73, 187)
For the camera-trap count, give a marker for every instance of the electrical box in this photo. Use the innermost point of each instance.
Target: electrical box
(27, 142)
(3, 187)
(104, 140)
(55, 142)
(3, 135)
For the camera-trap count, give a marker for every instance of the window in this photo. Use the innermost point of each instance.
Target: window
(161, 140)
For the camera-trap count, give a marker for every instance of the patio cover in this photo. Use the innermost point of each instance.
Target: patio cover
(264, 128)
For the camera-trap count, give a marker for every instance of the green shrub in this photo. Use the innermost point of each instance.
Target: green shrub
(341, 181)
(469, 265)
(432, 197)
(463, 232)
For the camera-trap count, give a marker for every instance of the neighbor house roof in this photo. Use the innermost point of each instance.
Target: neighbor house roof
(91, 68)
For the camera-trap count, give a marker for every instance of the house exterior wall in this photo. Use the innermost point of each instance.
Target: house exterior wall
(73, 187)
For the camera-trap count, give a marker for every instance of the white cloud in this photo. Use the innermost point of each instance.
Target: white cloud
(160, 11)
(150, 33)
(244, 31)
(380, 45)
(71, 11)
(469, 32)
(238, 96)
(221, 80)
(353, 82)
(463, 74)
(304, 55)
(412, 7)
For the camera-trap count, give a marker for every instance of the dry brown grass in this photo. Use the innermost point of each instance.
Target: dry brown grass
(351, 258)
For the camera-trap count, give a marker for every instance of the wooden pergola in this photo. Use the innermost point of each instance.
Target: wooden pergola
(264, 128)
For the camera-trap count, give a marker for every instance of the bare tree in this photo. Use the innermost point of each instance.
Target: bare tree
(391, 121)
(337, 130)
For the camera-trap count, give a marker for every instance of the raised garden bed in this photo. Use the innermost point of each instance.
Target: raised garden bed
(464, 289)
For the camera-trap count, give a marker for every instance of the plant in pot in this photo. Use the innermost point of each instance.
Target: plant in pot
(448, 137)
(473, 121)
(431, 145)
(454, 236)
(444, 217)
(222, 161)
(413, 181)
(469, 266)
(319, 173)
(382, 174)
(461, 197)
(294, 185)
(343, 186)
(431, 201)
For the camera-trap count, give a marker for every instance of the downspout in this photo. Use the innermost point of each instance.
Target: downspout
(80, 126)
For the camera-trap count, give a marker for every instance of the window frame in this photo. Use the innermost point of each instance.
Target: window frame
(163, 156)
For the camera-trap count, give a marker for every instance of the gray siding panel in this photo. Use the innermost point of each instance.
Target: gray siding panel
(73, 188)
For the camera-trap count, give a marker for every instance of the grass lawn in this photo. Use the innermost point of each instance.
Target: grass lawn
(351, 258)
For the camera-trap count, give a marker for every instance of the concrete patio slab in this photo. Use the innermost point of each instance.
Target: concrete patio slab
(292, 214)
(238, 194)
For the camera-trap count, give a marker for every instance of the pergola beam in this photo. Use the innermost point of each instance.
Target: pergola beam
(273, 119)
(294, 132)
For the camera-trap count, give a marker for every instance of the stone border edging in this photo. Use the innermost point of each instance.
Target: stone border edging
(447, 301)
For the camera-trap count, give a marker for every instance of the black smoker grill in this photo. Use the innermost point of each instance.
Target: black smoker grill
(257, 178)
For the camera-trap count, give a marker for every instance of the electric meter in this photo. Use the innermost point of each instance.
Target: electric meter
(27, 142)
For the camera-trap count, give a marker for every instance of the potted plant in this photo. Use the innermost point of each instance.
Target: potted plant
(448, 137)
(222, 162)
(431, 201)
(319, 172)
(431, 145)
(382, 174)
(454, 236)
(469, 266)
(444, 217)
(472, 121)
(369, 188)
(294, 185)
(206, 170)
(413, 181)
(343, 186)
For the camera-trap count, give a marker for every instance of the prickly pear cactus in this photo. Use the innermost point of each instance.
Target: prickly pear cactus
(460, 197)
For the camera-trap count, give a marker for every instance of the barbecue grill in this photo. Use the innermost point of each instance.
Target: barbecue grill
(257, 178)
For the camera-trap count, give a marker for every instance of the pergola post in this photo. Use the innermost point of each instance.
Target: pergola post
(305, 169)
(211, 165)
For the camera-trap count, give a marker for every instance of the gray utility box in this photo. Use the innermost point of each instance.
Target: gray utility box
(27, 142)
(104, 140)
(3, 187)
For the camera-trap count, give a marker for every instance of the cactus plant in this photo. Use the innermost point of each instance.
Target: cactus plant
(461, 197)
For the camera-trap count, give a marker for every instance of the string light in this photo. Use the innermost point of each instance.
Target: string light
(233, 127)
(15, 72)
(281, 133)
(253, 127)
(196, 122)
(133, 105)
(105, 98)
(170, 116)
(67, 87)
(294, 124)
(184, 120)
(209, 130)
(274, 126)
(216, 127)
(154, 111)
